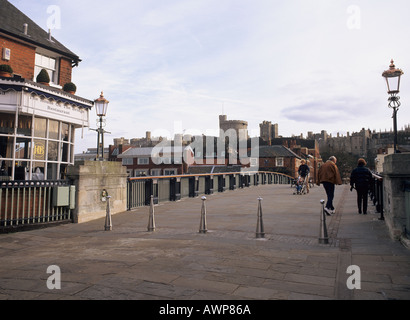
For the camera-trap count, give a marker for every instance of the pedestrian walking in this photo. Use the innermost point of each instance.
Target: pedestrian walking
(360, 180)
(329, 176)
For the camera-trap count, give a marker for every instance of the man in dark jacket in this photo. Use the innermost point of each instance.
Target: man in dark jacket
(360, 179)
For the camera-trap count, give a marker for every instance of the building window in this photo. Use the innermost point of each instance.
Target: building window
(48, 63)
(52, 151)
(6, 147)
(170, 172)
(53, 130)
(43, 152)
(40, 127)
(24, 126)
(39, 149)
(140, 173)
(7, 123)
(64, 152)
(279, 162)
(143, 160)
(155, 172)
(127, 161)
(23, 148)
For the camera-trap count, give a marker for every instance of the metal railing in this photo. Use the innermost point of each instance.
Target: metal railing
(173, 188)
(376, 194)
(24, 203)
(31, 203)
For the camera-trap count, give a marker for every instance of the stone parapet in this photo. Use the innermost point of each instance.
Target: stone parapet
(94, 180)
(396, 170)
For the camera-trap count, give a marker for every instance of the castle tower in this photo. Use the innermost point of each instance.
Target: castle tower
(268, 131)
(239, 126)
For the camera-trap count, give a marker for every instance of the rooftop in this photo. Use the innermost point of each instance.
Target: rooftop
(11, 24)
(276, 151)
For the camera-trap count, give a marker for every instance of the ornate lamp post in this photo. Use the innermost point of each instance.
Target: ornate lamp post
(101, 105)
(393, 76)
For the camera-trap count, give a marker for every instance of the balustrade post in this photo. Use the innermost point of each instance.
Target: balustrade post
(323, 236)
(108, 219)
(202, 224)
(260, 231)
(151, 219)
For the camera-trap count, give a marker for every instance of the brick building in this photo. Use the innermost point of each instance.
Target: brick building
(307, 149)
(278, 158)
(156, 161)
(37, 121)
(32, 49)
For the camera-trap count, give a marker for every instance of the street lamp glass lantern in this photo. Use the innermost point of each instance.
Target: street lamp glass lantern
(101, 105)
(392, 77)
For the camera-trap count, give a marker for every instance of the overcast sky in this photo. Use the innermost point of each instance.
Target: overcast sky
(173, 65)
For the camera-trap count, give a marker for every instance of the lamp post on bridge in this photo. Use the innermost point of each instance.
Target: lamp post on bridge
(101, 106)
(392, 76)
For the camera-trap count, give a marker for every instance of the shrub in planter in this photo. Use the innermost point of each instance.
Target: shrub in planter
(5, 70)
(43, 77)
(70, 87)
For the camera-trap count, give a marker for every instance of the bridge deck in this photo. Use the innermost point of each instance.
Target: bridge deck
(228, 262)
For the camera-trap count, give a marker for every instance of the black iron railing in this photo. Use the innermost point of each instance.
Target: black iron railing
(25, 203)
(376, 194)
(173, 188)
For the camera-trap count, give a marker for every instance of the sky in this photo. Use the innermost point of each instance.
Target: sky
(173, 66)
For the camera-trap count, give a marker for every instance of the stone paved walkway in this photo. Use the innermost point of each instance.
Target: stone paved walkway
(176, 262)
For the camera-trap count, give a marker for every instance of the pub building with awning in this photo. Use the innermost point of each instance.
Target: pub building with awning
(37, 121)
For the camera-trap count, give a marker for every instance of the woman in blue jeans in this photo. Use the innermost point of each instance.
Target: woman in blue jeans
(329, 176)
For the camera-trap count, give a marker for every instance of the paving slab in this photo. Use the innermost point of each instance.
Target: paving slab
(176, 262)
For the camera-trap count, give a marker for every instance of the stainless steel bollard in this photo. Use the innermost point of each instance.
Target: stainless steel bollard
(151, 220)
(108, 220)
(323, 237)
(202, 224)
(260, 232)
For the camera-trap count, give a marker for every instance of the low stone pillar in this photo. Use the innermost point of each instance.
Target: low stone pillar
(396, 170)
(93, 181)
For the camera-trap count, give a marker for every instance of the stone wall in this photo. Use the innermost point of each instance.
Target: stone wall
(91, 178)
(396, 170)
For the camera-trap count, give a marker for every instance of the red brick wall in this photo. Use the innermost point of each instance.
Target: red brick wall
(22, 57)
(289, 163)
(65, 71)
